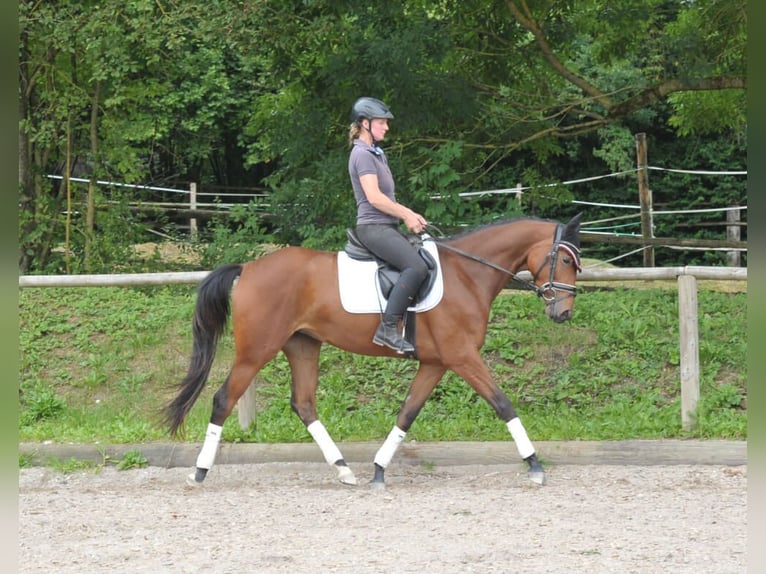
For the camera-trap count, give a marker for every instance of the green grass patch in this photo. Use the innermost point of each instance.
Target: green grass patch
(97, 365)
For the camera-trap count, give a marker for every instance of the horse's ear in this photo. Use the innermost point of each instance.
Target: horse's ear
(574, 223)
(572, 229)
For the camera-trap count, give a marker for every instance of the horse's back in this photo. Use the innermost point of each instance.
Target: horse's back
(294, 289)
(291, 258)
(288, 270)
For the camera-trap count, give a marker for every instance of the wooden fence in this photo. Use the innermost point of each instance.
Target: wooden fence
(194, 209)
(686, 277)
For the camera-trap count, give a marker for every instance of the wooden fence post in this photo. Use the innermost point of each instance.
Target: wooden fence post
(689, 341)
(193, 207)
(732, 234)
(645, 199)
(247, 411)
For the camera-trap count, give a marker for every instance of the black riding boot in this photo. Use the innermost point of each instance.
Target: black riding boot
(388, 333)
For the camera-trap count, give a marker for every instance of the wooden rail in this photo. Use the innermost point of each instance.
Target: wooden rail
(193, 277)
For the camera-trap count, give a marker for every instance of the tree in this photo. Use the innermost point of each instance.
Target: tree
(566, 69)
(485, 94)
(134, 91)
(494, 93)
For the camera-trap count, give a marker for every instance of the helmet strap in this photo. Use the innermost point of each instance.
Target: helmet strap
(368, 129)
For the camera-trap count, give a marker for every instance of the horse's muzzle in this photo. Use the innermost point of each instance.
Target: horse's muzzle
(556, 314)
(563, 316)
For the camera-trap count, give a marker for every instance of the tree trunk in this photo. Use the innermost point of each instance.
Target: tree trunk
(90, 215)
(26, 184)
(37, 209)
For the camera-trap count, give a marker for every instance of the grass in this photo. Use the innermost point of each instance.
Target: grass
(97, 364)
(130, 459)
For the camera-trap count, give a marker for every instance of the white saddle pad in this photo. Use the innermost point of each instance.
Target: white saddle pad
(360, 292)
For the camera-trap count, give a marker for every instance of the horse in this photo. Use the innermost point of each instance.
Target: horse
(289, 301)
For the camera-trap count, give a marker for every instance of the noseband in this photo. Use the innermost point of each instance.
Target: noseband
(548, 290)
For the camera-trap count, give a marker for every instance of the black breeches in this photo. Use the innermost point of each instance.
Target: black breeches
(390, 245)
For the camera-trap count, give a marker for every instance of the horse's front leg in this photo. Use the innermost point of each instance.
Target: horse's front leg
(302, 354)
(475, 372)
(426, 379)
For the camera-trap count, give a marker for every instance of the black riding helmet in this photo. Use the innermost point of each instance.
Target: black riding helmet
(369, 108)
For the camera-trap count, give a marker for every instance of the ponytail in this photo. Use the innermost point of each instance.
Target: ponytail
(354, 131)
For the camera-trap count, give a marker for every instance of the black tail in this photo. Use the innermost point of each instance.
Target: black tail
(211, 314)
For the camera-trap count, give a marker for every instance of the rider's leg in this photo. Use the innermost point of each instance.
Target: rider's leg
(401, 296)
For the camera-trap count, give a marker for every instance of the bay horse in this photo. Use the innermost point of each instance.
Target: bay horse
(289, 301)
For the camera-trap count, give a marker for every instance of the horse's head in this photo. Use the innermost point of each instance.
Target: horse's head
(554, 265)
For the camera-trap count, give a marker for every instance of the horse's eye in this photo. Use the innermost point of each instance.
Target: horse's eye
(567, 260)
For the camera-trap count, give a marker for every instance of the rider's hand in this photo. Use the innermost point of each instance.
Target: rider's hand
(415, 222)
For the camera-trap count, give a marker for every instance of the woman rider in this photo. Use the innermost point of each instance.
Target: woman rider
(378, 216)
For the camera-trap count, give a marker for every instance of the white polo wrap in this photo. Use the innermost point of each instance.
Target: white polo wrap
(206, 456)
(388, 450)
(328, 447)
(520, 437)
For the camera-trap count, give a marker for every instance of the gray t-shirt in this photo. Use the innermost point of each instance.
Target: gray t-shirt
(362, 160)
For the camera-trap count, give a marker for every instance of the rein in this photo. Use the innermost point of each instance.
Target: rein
(547, 290)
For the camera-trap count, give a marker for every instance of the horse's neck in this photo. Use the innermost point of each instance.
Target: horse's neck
(506, 246)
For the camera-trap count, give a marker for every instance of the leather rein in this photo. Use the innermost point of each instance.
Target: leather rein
(548, 290)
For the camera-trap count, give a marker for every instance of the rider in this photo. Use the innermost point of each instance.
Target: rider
(378, 216)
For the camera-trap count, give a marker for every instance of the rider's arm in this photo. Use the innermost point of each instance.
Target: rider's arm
(414, 221)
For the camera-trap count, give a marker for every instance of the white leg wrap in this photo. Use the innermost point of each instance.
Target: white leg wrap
(388, 450)
(206, 456)
(328, 447)
(520, 437)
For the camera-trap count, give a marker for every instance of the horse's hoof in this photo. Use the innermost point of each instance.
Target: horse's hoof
(345, 476)
(537, 476)
(197, 477)
(377, 485)
(191, 481)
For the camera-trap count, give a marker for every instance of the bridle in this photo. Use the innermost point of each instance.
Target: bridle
(548, 291)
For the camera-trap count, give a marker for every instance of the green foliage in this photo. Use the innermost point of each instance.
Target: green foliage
(617, 148)
(72, 465)
(437, 178)
(237, 241)
(104, 347)
(35, 241)
(611, 373)
(315, 209)
(39, 402)
(254, 93)
(708, 113)
(132, 459)
(543, 196)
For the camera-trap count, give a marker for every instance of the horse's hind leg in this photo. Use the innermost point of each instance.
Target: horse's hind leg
(240, 377)
(302, 353)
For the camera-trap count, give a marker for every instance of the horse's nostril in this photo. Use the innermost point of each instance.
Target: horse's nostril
(563, 316)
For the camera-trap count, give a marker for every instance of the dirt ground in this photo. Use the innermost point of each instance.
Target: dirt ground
(294, 517)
